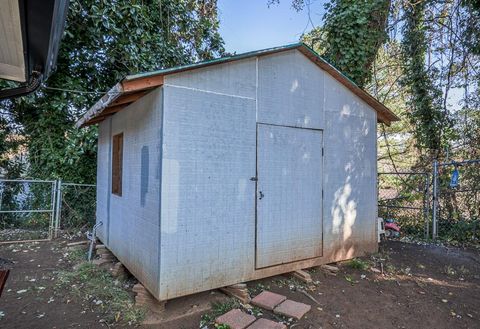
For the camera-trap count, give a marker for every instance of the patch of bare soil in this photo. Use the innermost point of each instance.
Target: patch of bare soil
(31, 298)
(421, 287)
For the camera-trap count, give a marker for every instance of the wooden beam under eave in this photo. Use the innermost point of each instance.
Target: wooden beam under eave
(128, 98)
(112, 110)
(108, 111)
(142, 83)
(94, 121)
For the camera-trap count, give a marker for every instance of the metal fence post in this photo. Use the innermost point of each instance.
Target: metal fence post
(51, 228)
(426, 206)
(58, 206)
(435, 200)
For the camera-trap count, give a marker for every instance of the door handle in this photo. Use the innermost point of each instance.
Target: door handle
(261, 195)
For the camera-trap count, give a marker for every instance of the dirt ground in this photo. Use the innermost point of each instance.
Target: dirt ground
(421, 287)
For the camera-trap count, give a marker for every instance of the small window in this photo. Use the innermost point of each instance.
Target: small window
(117, 159)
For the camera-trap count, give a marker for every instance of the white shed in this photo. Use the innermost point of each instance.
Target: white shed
(236, 169)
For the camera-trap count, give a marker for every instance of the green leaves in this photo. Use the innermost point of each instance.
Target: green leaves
(426, 112)
(352, 33)
(104, 41)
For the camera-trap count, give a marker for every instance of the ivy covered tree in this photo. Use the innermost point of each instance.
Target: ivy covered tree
(351, 35)
(103, 41)
(429, 118)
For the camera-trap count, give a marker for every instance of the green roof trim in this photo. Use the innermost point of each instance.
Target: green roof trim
(214, 61)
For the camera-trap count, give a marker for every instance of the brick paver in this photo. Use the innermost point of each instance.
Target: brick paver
(268, 300)
(236, 319)
(267, 324)
(292, 309)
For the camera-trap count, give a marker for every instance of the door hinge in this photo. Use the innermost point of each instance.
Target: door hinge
(322, 151)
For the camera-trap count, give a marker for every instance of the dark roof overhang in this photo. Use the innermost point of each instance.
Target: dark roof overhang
(30, 34)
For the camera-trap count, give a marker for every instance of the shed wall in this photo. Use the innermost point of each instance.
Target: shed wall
(208, 228)
(133, 220)
(209, 147)
(350, 207)
(290, 91)
(202, 152)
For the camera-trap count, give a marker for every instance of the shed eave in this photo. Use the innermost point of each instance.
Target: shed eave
(135, 86)
(120, 96)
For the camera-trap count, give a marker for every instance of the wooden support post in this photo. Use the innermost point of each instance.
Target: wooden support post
(238, 291)
(305, 277)
(105, 256)
(328, 269)
(119, 271)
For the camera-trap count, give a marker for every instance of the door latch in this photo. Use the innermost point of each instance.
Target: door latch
(261, 195)
(253, 179)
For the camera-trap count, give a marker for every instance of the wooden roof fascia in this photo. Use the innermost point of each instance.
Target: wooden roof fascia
(100, 105)
(121, 95)
(132, 85)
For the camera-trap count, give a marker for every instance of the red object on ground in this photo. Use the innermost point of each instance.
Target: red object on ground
(3, 279)
(392, 226)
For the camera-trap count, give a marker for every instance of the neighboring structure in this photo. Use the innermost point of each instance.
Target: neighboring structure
(30, 33)
(236, 169)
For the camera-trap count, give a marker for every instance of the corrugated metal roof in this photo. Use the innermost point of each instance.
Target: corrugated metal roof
(142, 82)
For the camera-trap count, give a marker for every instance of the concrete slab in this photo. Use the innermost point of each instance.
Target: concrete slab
(267, 324)
(236, 319)
(268, 300)
(292, 309)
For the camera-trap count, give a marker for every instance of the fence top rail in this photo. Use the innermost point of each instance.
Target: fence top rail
(403, 173)
(453, 163)
(26, 181)
(75, 184)
(25, 211)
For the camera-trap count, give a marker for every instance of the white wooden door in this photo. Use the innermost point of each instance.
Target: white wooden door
(289, 194)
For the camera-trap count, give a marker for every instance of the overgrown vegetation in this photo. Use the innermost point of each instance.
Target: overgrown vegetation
(351, 36)
(358, 264)
(421, 59)
(103, 42)
(97, 287)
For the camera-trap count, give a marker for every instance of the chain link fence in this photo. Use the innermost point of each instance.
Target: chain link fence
(76, 207)
(458, 201)
(27, 209)
(42, 210)
(403, 198)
